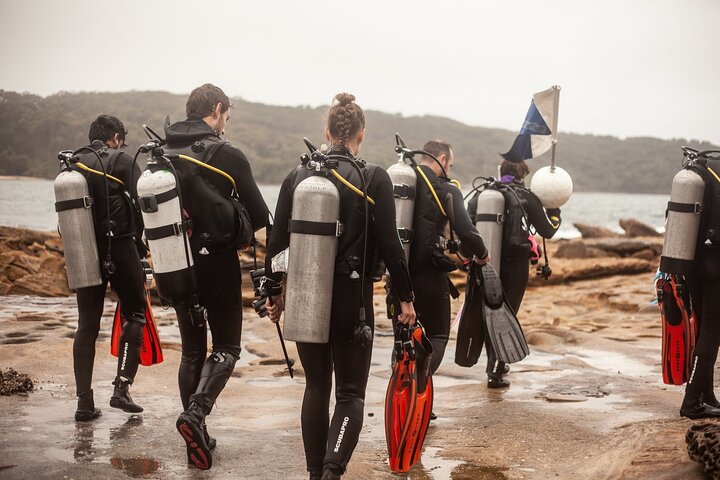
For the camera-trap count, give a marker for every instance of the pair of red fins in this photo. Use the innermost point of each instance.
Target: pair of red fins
(409, 398)
(679, 328)
(150, 349)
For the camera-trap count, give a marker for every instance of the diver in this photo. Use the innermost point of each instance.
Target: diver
(202, 378)
(118, 225)
(329, 443)
(703, 282)
(439, 208)
(523, 213)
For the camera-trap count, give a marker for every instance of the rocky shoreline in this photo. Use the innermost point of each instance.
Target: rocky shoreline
(587, 403)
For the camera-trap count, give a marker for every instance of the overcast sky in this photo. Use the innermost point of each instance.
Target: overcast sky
(626, 67)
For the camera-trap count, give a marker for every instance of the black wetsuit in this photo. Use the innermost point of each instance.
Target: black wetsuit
(429, 266)
(515, 253)
(218, 273)
(349, 360)
(128, 279)
(704, 285)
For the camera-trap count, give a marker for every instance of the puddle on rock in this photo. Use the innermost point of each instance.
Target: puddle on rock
(439, 468)
(136, 467)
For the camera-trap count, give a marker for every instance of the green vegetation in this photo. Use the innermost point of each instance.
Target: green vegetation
(33, 129)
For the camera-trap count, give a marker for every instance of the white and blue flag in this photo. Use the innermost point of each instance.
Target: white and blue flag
(537, 134)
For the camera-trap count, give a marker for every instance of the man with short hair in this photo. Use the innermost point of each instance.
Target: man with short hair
(217, 266)
(120, 249)
(439, 209)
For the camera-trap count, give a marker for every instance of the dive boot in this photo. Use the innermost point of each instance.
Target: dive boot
(331, 472)
(121, 397)
(86, 410)
(190, 424)
(693, 408)
(497, 381)
(211, 442)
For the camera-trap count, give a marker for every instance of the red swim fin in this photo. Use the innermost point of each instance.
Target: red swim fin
(679, 329)
(419, 421)
(150, 349)
(399, 399)
(408, 401)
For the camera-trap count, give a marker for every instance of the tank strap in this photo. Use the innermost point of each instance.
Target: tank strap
(695, 208)
(174, 229)
(489, 217)
(83, 202)
(404, 191)
(333, 229)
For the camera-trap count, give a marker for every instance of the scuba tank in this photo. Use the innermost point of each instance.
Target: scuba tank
(683, 218)
(314, 228)
(73, 205)
(404, 181)
(166, 231)
(489, 219)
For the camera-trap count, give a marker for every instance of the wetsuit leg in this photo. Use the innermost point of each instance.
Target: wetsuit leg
(194, 351)
(220, 282)
(704, 291)
(317, 363)
(352, 366)
(90, 308)
(128, 282)
(432, 304)
(514, 274)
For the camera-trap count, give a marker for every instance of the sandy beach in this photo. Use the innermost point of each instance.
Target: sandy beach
(587, 403)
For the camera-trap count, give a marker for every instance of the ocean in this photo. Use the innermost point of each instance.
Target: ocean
(29, 203)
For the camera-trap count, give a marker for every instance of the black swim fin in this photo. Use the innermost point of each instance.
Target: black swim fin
(471, 327)
(501, 323)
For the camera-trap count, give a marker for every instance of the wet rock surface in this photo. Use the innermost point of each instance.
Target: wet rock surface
(587, 403)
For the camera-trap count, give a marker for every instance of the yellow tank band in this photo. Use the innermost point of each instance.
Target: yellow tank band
(209, 167)
(96, 172)
(456, 183)
(432, 190)
(352, 187)
(714, 174)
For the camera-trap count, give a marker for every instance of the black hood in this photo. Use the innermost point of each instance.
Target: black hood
(184, 133)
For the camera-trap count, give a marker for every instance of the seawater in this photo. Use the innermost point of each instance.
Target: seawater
(29, 203)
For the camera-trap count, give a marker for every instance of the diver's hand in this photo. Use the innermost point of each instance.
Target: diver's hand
(482, 261)
(407, 313)
(275, 306)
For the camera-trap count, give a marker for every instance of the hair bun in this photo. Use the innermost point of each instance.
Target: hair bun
(344, 98)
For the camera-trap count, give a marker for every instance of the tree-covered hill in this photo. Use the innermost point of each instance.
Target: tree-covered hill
(33, 129)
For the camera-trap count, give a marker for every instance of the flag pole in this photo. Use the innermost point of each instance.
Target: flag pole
(556, 111)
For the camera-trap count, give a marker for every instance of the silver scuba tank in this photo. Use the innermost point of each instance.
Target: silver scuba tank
(73, 205)
(683, 222)
(489, 217)
(166, 233)
(404, 181)
(314, 229)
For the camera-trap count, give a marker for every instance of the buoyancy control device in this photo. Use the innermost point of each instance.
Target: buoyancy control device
(687, 208)
(503, 223)
(432, 244)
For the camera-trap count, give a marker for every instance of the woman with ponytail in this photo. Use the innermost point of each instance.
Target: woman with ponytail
(329, 442)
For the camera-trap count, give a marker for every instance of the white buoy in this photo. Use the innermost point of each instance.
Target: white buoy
(553, 186)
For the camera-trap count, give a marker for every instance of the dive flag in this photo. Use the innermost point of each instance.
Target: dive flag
(536, 135)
